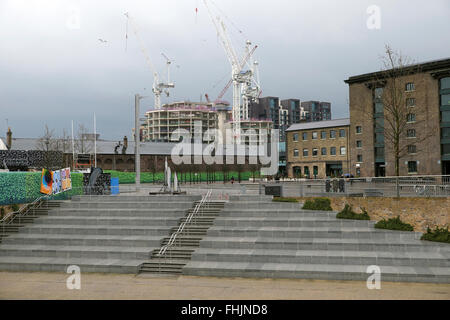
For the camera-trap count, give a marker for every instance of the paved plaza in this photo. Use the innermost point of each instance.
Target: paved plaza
(35, 285)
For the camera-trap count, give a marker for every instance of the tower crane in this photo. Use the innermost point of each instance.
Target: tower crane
(235, 71)
(158, 86)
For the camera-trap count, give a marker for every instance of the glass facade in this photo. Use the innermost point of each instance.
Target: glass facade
(444, 92)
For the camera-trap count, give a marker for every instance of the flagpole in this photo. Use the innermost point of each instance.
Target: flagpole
(73, 150)
(95, 142)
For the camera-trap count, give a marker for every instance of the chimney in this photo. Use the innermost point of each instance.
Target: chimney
(9, 139)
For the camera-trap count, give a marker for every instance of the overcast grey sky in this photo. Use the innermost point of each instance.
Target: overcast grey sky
(53, 72)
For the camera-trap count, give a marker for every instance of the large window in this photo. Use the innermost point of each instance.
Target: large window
(410, 86)
(445, 100)
(379, 137)
(342, 133)
(324, 151)
(305, 152)
(359, 158)
(445, 133)
(378, 93)
(412, 166)
(445, 83)
(446, 149)
(305, 136)
(306, 170)
(445, 116)
(295, 137)
(358, 129)
(333, 151)
(323, 135)
(378, 107)
(295, 153)
(314, 135)
(343, 151)
(379, 152)
(359, 144)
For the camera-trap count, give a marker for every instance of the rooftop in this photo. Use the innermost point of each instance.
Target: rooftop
(320, 124)
(435, 65)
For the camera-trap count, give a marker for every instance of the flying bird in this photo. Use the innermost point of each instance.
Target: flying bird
(101, 40)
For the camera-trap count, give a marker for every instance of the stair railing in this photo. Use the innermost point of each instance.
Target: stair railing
(163, 250)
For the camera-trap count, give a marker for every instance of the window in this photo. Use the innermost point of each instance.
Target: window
(314, 135)
(379, 107)
(445, 133)
(295, 137)
(333, 134)
(342, 133)
(358, 129)
(445, 116)
(306, 170)
(323, 135)
(333, 151)
(411, 117)
(445, 99)
(343, 151)
(379, 137)
(445, 83)
(315, 170)
(295, 153)
(378, 93)
(410, 86)
(305, 152)
(411, 133)
(359, 144)
(315, 152)
(410, 102)
(412, 149)
(305, 136)
(379, 152)
(412, 166)
(323, 151)
(446, 149)
(359, 158)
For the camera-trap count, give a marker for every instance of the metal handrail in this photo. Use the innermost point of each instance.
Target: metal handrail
(180, 229)
(34, 205)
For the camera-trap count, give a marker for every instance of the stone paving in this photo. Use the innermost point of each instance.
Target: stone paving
(35, 285)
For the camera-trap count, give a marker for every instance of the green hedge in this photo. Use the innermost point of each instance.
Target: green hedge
(148, 177)
(348, 213)
(24, 187)
(323, 204)
(437, 235)
(394, 224)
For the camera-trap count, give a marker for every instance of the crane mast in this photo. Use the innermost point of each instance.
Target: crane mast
(158, 87)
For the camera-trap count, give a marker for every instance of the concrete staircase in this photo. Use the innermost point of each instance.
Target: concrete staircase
(255, 237)
(178, 255)
(97, 233)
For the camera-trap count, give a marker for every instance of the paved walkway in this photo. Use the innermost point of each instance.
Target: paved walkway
(115, 286)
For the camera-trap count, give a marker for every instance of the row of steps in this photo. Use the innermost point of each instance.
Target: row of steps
(27, 218)
(255, 237)
(97, 233)
(178, 255)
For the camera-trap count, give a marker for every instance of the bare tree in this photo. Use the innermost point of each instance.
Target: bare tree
(395, 101)
(47, 142)
(84, 142)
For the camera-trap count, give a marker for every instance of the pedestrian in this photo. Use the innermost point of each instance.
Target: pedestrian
(232, 180)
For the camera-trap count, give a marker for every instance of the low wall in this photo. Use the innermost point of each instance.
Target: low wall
(419, 212)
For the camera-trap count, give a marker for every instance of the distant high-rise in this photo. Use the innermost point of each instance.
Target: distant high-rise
(316, 110)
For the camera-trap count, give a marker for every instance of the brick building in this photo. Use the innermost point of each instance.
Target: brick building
(426, 137)
(318, 149)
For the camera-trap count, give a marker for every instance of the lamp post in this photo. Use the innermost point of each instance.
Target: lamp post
(137, 141)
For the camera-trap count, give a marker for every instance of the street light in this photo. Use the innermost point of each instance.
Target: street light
(137, 141)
